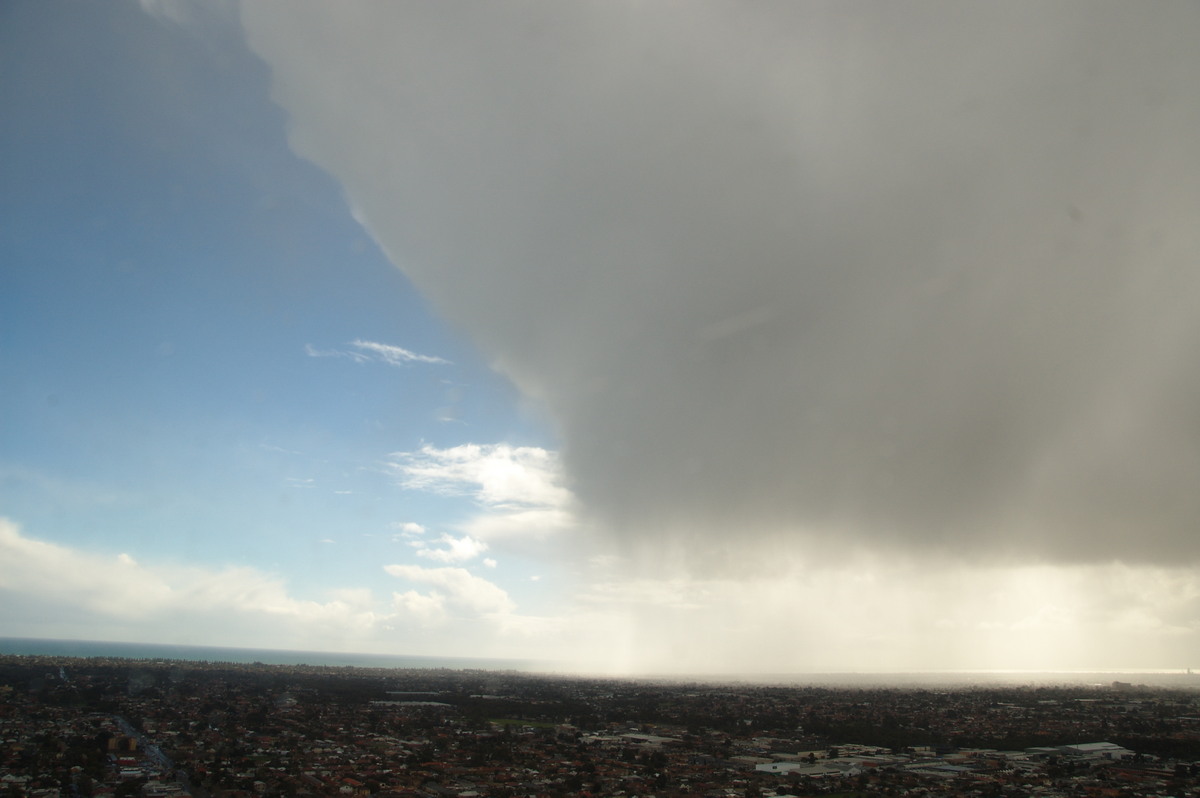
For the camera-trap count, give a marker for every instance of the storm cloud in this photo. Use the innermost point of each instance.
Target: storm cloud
(902, 275)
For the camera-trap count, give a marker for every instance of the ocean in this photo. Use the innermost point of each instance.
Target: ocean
(266, 656)
(1174, 679)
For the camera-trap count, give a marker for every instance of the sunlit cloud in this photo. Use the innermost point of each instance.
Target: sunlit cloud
(123, 588)
(57, 590)
(496, 475)
(519, 488)
(407, 529)
(427, 609)
(452, 549)
(534, 523)
(457, 587)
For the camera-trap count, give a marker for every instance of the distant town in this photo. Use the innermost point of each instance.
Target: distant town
(99, 727)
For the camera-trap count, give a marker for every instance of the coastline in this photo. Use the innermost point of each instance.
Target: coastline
(32, 646)
(1160, 678)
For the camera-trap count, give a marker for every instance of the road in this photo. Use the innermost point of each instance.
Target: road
(161, 760)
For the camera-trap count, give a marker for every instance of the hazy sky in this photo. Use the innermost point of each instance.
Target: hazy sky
(638, 336)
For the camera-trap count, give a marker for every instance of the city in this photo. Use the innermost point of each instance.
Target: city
(110, 727)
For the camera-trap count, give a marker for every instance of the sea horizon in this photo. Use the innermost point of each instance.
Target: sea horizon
(38, 646)
(1181, 678)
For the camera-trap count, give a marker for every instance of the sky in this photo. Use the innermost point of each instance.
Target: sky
(630, 337)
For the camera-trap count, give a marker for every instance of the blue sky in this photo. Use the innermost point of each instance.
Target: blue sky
(181, 305)
(784, 338)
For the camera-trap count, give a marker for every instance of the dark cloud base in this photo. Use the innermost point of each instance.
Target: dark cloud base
(916, 276)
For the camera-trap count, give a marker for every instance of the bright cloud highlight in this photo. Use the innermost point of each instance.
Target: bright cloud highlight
(453, 549)
(457, 587)
(519, 487)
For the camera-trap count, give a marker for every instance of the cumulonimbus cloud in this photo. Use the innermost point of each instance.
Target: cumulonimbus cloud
(915, 275)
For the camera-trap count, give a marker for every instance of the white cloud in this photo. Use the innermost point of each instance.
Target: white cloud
(497, 475)
(408, 529)
(455, 549)
(373, 351)
(858, 613)
(532, 626)
(458, 587)
(519, 487)
(489, 562)
(49, 589)
(357, 357)
(535, 524)
(121, 587)
(428, 609)
(396, 355)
